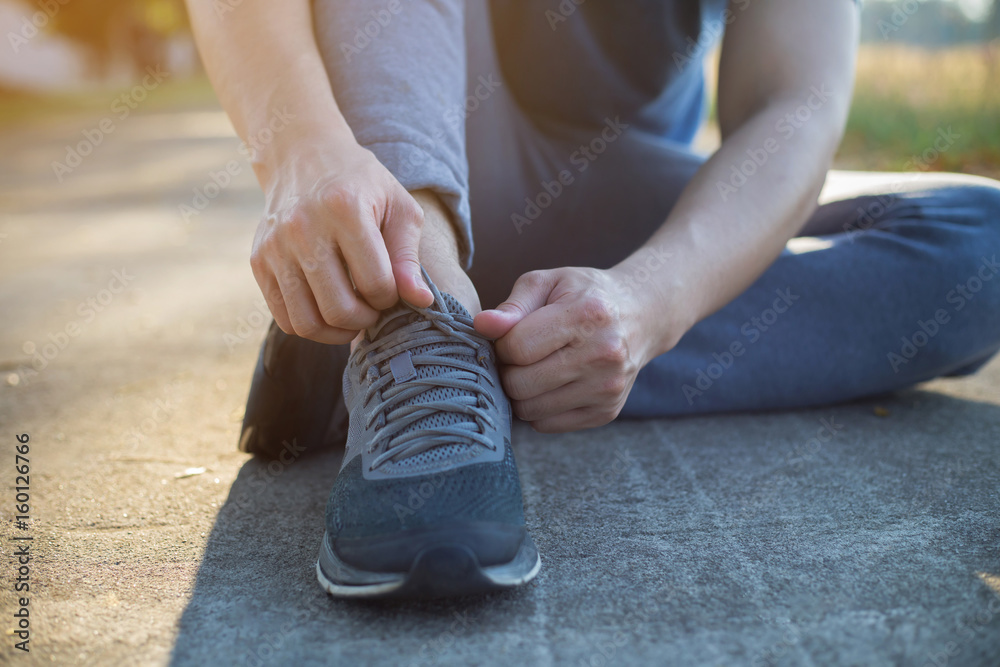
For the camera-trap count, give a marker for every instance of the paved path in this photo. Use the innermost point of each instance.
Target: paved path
(733, 540)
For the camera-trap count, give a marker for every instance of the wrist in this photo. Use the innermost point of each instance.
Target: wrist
(274, 151)
(660, 297)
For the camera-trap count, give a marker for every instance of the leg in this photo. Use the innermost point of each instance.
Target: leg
(884, 264)
(425, 403)
(899, 289)
(934, 233)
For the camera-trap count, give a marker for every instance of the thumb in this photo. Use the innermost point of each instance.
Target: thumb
(530, 292)
(401, 233)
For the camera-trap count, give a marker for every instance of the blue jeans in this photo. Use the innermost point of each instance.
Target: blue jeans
(894, 280)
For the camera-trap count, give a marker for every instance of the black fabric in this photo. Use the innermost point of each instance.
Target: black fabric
(295, 404)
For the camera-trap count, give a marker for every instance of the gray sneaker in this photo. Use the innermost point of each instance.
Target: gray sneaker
(428, 501)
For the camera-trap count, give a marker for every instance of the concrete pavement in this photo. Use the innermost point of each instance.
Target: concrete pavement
(863, 534)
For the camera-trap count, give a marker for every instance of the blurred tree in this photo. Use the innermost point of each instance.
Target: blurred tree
(136, 30)
(993, 23)
(932, 23)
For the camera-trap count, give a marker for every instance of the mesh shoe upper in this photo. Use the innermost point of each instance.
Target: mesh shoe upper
(425, 391)
(429, 427)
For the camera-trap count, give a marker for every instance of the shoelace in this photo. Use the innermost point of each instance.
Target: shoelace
(392, 439)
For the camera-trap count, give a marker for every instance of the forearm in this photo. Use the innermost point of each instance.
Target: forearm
(726, 230)
(263, 61)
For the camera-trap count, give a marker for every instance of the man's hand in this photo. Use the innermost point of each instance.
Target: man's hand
(337, 243)
(571, 342)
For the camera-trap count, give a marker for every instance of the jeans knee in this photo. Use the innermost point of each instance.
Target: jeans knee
(981, 256)
(985, 199)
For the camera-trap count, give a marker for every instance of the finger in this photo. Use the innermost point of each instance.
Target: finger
(368, 261)
(268, 285)
(537, 336)
(401, 231)
(573, 420)
(552, 372)
(303, 313)
(568, 397)
(338, 304)
(530, 292)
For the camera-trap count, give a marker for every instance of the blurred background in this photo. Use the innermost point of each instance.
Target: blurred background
(923, 63)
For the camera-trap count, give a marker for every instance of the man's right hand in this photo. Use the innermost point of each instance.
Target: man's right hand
(338, 242)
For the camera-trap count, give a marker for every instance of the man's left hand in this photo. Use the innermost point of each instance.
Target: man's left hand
(571, 342)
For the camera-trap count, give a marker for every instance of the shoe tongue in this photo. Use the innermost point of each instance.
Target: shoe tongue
(402, 313)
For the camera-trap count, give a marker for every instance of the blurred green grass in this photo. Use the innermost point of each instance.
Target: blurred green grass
(905, 96)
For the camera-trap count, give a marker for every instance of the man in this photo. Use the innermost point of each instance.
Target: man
(634, 277)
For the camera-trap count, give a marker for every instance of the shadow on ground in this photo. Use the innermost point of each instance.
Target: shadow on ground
(811, 537)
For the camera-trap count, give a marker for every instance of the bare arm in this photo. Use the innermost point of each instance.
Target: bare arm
(262, 58)
(573, 340)
(334, 217)
(785, 81)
